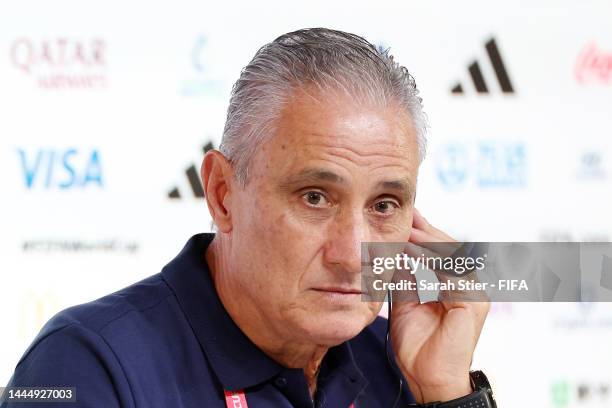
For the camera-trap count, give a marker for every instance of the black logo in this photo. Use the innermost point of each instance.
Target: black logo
(194, 179)
(478, 79)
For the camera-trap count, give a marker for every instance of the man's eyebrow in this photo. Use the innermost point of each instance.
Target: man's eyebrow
(402, 186)
(312, 176)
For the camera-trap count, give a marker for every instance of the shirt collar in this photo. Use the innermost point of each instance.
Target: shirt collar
(236, 360)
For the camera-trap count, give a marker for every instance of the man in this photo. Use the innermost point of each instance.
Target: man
(320, 152)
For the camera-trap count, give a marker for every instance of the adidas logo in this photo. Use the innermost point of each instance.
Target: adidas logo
(193, 177)
(498, 67)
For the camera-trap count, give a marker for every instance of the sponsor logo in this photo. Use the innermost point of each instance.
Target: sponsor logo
(581, 393)
(558, 235)
(483, 165)
(60, 169)
(478, 80)
(36, 307)
(585, 315)
(61, 63)
(57, 245)
(193, 177)
(202, 81)
(593, 65)
(591, 166)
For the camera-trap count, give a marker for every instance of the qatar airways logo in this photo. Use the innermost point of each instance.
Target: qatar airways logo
(61, 63)
(594, 65)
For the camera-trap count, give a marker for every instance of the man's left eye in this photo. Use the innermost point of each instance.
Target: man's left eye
(385, 207)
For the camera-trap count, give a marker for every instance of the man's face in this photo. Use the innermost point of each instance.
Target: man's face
(334, 175)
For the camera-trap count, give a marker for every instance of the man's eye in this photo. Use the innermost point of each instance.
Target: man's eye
(385, 207)
(315, 199)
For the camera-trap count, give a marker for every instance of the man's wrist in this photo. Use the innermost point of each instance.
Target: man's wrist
(481, 395)
(449, 392)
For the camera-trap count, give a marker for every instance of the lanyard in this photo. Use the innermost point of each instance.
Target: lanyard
(237, 399)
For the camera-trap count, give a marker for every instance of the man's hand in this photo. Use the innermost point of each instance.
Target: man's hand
(434, 342)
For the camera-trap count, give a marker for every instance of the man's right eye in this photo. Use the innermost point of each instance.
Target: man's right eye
(315, 199)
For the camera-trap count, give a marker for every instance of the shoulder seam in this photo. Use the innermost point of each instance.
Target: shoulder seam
(99, 329)
(119, 297)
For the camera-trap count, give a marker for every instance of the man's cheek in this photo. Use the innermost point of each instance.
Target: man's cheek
(396, 231)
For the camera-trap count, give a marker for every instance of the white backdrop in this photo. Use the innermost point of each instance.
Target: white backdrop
(104, 106)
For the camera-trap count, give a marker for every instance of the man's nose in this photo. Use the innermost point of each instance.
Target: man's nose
(344, 238)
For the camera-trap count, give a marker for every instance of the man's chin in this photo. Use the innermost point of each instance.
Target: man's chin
(336, 327)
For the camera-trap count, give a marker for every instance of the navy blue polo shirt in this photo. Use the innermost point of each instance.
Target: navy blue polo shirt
(168, 342)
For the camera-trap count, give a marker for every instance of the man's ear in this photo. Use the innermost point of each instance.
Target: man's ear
(218, 181)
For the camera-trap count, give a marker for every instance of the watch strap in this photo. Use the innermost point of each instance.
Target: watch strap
(478, 399)
(482, 397)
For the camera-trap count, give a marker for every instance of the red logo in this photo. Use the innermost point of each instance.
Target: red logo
(594, 65)
(235, 399)
(62, 63)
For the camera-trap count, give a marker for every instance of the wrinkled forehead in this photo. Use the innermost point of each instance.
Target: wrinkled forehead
(354, 128)
(310, 108)
(344, 120)
(339, 139)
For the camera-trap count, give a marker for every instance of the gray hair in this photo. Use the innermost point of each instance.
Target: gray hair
(327, 59)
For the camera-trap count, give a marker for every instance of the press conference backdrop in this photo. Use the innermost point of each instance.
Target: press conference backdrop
(106, 109)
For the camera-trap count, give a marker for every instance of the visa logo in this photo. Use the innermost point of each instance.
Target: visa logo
(62, 169)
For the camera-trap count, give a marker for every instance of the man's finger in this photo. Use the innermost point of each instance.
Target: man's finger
(420, 222)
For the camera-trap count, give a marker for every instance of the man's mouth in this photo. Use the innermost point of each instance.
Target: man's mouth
(339, 290)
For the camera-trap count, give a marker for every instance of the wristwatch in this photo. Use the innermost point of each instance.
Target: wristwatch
(482, 397)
